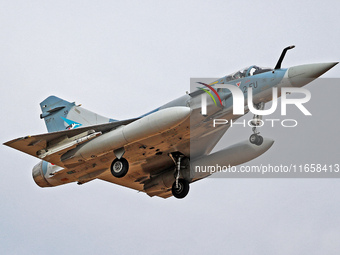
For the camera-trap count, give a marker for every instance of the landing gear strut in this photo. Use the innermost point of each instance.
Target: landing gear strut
(255, 138)
(180, 188)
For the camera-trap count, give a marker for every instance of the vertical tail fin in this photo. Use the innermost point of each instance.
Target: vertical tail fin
(60, 115)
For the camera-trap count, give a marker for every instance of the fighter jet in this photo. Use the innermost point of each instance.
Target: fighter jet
(156, 153)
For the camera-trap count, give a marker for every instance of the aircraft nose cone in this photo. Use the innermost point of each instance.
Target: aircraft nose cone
(301, 75)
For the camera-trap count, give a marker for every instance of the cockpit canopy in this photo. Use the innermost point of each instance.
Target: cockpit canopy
(248, 71)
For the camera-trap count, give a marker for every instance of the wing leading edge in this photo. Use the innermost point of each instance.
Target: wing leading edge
(61, 141)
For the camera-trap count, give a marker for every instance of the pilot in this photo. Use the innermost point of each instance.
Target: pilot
(237, 75)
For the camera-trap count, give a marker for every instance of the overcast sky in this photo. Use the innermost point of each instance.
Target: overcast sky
(125, 58)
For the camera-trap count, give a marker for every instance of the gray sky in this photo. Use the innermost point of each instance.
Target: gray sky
(124, 58)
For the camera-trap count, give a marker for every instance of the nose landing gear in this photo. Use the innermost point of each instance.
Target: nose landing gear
(255, 138)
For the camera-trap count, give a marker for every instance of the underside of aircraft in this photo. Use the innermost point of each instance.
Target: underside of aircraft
(156, 153)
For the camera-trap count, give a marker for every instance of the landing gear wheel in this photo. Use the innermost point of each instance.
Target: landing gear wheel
(182, 190)
(253, 138)
(119, 167)
(256, 139)
(260, 140)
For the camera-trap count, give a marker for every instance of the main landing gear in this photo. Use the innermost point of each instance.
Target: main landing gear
(255, 138)
(120, 165)
(180, 188)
